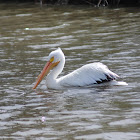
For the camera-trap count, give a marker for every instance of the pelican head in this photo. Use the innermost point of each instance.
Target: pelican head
(56, 62)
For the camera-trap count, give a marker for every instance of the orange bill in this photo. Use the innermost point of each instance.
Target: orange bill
(49, 65)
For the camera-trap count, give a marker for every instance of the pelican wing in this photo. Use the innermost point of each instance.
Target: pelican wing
(93, 73)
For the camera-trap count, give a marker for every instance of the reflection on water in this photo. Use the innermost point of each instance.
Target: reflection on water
(86, 35)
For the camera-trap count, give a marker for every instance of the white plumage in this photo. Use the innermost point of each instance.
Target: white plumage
(93, 73)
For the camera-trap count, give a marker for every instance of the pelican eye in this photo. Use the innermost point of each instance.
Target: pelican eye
(52, 58)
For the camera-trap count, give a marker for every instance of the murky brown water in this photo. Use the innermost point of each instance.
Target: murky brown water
(28, 34)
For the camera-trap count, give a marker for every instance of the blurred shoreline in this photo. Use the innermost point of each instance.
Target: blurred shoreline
(94, 3)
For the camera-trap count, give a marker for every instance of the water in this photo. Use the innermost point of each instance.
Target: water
(85, 34)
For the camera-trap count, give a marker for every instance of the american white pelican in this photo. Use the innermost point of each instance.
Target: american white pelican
(93, 73)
